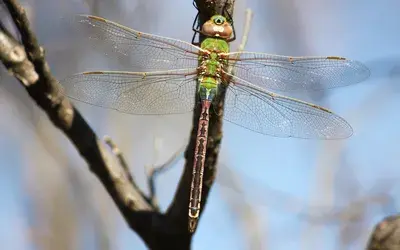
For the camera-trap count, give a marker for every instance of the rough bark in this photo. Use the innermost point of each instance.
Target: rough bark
(386, 235)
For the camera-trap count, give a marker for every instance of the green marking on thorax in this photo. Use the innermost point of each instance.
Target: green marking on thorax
(209, 83)
(216, 44)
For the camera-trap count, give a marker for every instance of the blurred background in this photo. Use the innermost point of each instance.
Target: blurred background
(270, 193)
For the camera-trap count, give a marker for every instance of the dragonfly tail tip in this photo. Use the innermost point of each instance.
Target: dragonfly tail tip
(192, 224)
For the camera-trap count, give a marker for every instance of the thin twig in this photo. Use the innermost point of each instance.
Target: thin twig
(246, 30)
(118, 153)
(121, 159)
(153, 171)
(13, 56)
(35, 53)
(242, 45)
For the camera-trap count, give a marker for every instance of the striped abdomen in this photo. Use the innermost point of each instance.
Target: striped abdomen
(198, 165)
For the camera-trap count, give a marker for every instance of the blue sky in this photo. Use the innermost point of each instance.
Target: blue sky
(316, 174)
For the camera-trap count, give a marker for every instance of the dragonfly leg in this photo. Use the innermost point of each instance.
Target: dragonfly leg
(195, 29)
(234, 35)
(195, 5)
(233, 27)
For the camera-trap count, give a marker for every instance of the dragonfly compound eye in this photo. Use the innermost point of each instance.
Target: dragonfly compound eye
(219, 20)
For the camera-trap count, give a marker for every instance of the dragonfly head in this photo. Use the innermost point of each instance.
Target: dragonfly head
(217, 26)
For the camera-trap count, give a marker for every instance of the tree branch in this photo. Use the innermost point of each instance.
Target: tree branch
(154, 171)
(27, 63)
(246, 30)
(386, 234)
(117, 152)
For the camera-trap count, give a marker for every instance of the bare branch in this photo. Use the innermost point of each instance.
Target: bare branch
(386, 235)
(246, 30)
(121, 159)
(27, 63)
(117, 152)
(153, 171)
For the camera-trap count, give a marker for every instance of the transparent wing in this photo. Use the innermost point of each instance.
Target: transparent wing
(284, 73)
(264, 112)
(148, 51)
(167, 92)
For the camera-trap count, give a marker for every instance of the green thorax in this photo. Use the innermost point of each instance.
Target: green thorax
(209, 80)
(215, 44)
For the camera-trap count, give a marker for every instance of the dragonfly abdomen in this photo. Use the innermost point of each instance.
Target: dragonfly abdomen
(198, 165)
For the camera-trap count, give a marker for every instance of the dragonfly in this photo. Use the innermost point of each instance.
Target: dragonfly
(176, 71)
